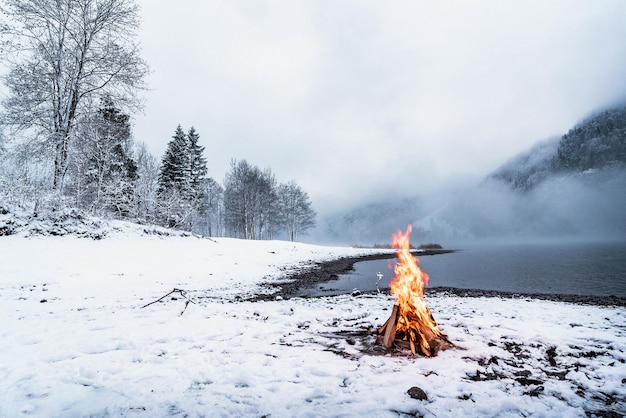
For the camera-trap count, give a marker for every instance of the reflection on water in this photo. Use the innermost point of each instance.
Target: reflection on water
(580, 269)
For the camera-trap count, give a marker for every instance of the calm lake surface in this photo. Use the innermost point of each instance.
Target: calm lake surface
(589, 269)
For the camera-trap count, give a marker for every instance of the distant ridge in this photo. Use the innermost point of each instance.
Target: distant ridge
(568, 187)
(596, 143)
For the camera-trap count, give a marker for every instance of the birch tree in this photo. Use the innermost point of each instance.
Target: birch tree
(295, 210)
(211, 208)
(147, 183)
(249, 201)
(61, 55)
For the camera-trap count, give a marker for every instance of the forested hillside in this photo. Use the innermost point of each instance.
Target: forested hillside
(596, 143)
(568, 187)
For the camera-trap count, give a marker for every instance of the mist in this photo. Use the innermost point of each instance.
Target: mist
(586, 206)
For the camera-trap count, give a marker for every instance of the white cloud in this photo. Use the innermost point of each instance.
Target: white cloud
(351, 99)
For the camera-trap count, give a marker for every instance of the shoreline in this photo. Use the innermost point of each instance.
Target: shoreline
(330, 270)
(554, 297)
(325, 271)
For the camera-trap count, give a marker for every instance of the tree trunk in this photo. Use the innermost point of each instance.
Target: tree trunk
(60, 163)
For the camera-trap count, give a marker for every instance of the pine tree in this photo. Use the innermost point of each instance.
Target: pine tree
(197, 171)
(183, 168)
(121, 173)
(197, 162)
(103, 171)
(174, 171)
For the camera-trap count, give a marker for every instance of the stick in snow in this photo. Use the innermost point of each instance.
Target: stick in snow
(175, 290)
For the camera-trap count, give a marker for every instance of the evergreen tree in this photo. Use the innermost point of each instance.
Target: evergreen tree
(197, 170)
(120, 174)
(183, 169)
(197, 162)
(103, 170)
(174, 171)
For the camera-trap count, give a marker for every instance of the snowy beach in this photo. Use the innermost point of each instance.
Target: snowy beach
(77, 339)
(161, 163)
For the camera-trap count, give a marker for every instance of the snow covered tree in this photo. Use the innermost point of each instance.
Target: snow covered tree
(147, 183)
(174, 164)
(249, 201)
(183, 169)
(197, 162)
(102, 169)
(295, 211)
(60, 55)
(595, 143)
(237, 200)
(268, 207)
(174, 180)
(23, 176)
(211, 210)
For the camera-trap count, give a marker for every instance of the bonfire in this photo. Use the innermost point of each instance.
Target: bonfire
(411, 324)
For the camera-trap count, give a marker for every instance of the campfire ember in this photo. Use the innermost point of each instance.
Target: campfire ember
(411, 324)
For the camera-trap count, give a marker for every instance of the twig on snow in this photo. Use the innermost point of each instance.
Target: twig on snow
(182, 292)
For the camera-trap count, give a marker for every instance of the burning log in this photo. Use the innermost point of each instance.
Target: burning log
(411, 324)
(420, 341)
(388, 330)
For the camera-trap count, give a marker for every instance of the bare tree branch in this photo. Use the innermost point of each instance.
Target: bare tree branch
(61, 55)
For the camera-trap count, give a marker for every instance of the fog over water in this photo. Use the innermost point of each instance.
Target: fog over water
(581, 207)
(588, 206)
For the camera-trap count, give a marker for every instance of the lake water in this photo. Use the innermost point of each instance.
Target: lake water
(589, 269)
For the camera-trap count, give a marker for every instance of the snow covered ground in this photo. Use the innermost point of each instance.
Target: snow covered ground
(75, 339)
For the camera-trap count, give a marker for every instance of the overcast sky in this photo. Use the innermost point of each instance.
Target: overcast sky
(359, 100)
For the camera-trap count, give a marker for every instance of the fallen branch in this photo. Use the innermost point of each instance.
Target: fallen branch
(182, 292)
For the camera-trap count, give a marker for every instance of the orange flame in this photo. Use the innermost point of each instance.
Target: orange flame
(415, 321)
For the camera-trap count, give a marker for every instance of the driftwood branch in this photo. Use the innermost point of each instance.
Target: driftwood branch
(182, 292)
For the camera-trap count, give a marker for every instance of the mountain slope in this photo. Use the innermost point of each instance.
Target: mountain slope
(568, 187)
(596, 143)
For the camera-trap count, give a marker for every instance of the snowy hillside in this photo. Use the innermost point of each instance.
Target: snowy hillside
(531, 167)
(77, 339)
(572, 186)
(597, 143)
